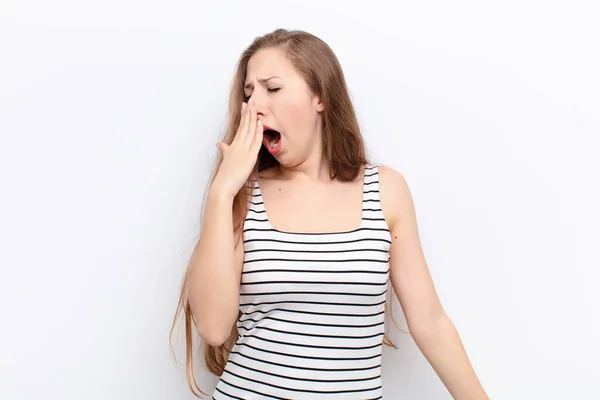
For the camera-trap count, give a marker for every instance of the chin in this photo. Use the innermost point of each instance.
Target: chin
(284, 160)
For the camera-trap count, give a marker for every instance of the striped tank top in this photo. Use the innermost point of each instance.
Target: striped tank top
(312, 308)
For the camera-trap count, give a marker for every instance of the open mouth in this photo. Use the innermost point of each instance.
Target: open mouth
(272, 140)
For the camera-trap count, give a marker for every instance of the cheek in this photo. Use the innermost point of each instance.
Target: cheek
(298, 113)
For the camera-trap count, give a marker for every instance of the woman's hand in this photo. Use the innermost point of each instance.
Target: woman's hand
(240, 157)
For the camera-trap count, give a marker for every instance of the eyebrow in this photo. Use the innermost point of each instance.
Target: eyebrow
(263, 81)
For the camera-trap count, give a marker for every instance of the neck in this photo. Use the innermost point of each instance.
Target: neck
(314, 168)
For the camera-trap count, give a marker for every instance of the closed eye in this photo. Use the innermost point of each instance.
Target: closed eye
(270, 90)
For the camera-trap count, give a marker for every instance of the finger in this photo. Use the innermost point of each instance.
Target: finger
(222, 146)
(243, 122)
(251, 129)
(244, 128)
(258, 138)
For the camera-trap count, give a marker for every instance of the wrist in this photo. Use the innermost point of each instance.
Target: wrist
(216, 193)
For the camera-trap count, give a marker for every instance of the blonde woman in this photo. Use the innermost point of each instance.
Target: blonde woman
(301, 235)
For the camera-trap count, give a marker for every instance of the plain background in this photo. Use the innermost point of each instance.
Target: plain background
(109, 115)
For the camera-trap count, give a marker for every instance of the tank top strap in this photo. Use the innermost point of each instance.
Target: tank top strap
(256, 215)
(371, 207)
(253, 191)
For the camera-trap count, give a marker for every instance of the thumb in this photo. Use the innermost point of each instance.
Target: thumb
(222, 146)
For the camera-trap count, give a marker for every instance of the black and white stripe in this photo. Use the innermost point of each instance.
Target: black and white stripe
(312, 307)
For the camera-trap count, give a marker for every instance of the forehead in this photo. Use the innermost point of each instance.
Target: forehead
(269, 62)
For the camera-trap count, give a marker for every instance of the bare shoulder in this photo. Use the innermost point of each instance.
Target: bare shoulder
(396, 199)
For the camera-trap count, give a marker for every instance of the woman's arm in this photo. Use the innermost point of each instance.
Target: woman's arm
(215, 271)
(432, 330)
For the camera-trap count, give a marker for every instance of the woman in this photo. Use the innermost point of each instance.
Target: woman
(300, 237)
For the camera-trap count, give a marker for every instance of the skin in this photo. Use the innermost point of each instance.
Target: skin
(300, 197)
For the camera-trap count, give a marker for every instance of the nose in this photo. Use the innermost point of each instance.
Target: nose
(258, 97)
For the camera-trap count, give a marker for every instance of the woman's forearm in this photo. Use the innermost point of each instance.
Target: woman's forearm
(441, 345)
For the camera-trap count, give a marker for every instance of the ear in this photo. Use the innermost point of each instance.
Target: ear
(319, 104)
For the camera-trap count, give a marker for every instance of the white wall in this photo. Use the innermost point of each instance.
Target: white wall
(109, 113)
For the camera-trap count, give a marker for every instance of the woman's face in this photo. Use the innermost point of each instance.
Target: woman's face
(285, 104)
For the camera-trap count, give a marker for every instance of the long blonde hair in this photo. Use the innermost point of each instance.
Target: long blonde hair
(342, 145)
